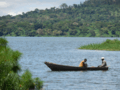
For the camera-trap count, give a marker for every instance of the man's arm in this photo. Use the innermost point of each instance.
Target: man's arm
(85, 64)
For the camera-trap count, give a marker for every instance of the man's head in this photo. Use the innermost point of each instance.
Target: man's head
(85, 59)
(102, 58)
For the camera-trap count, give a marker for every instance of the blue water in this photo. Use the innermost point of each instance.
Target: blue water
(64, 50)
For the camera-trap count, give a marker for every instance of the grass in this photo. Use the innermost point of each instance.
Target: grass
(109, 45)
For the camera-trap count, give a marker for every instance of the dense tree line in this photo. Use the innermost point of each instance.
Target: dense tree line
(91, 18)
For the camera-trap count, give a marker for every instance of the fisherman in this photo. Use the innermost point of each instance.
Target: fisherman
(104, 64)
(83, 64)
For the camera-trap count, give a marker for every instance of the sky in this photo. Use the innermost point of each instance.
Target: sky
(15, 7)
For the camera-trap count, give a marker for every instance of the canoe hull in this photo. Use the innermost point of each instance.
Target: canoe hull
(57, 67)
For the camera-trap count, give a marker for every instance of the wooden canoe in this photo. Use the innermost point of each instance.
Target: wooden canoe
(57, 67)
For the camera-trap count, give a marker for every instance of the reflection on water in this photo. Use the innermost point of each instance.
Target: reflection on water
(63, 50)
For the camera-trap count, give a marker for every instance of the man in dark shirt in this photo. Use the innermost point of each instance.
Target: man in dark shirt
(104, 64)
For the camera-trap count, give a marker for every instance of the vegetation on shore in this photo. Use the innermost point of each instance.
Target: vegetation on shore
(93, 18)
(9, 68)
(109, 45)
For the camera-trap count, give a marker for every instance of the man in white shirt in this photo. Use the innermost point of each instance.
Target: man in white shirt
(104, 64)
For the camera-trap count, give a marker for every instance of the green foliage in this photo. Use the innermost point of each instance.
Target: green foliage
(111, 45)
(93, 18)
(3, 42)
(9, 67)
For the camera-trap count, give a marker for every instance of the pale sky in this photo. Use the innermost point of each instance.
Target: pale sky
(15, 7)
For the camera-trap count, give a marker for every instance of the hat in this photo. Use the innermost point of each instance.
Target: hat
(102, 57)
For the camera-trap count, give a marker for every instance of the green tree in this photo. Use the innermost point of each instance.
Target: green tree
(72, 32)
(38, 25)
(92, 32)
(63, 6)
(9, 67)
(40, 31)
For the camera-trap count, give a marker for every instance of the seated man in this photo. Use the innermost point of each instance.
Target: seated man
(83, 64)
(104, 64)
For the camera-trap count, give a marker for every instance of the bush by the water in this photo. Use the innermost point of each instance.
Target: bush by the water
(9, 67)
(111, 45)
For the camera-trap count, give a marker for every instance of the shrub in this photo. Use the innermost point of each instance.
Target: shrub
(9, 67)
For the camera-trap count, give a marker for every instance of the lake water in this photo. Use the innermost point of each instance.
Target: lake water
(64, 50)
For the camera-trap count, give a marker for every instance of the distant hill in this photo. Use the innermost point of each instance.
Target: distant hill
(93, 18)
